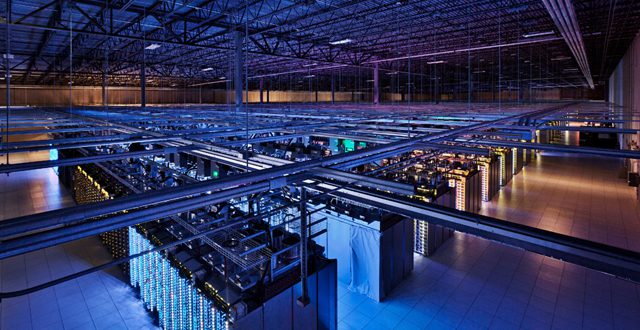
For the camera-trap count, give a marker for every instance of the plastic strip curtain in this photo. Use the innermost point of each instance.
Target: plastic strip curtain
(179, 305)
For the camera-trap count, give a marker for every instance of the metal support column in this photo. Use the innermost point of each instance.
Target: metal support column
(437, 84)
(143, 81)
(237, 72)
(105, 96)
(409, 91)
(304, 299)
(268, 88)
(376, 84)
(104, 89)
(261, 90)
(333, 90)
(7, 58)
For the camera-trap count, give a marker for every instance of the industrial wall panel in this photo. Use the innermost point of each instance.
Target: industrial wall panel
(386, 262)
(252, 321)
(328, 297)
(407, 247)
(306, 317)
(398, 255)
(278, 312)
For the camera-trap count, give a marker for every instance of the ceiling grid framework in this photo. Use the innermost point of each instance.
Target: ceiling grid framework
(285, 36)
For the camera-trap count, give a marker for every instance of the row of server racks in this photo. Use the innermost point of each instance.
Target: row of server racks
(182, 287)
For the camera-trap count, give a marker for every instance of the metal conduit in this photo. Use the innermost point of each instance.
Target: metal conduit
(87, 160)
(613, 260)
(73, 214)
(44, 239)
(564, 16)
(557, 147)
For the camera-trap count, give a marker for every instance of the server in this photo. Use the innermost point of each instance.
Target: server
(506, 164)
(219, 281)
(429, 237)
(489, 168)
(463, 176)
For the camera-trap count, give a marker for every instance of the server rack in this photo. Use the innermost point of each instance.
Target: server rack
(429, 237)
(506, 165)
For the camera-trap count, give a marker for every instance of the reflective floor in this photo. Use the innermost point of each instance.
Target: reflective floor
(473, 283)
(99, 301)
(24, 193)
(581, 196)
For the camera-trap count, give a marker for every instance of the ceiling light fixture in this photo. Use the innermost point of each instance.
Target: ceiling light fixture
(207, 69)
(341, 42)
(436, 62)
(538, 34)
(210, 83)
(152, 47)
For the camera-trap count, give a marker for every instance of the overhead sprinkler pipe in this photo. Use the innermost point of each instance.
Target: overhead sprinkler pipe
(564, 16)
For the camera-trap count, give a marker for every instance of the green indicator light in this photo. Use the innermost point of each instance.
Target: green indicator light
(349, 145)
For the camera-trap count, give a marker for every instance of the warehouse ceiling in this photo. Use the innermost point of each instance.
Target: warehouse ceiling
(187, 43)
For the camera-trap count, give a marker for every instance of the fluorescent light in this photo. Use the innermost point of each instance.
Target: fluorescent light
(299, 71)
(534, 41)
(479, 71)
(561, 58)
(341, 42)
(152, 47)
(207, 69)
(308, 65)
(223, 77)
(472, 49)
(435, 62)
(310, 76)
(393, 72)
(538, 34)
(209, 83)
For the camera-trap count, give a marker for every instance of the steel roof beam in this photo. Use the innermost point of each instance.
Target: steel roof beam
(612, 260)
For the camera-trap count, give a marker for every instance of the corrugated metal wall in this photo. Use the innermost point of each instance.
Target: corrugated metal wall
(89, 95)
